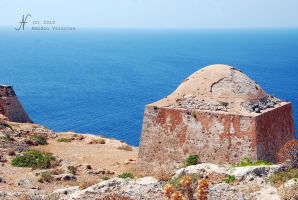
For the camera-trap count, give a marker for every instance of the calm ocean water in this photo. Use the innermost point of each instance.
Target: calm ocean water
(98, 81)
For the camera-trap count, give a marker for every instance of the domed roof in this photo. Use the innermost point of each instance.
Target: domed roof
(221, 82)
(219, 88)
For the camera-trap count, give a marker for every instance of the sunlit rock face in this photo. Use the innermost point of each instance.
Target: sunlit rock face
(218, 113)
(10, 105)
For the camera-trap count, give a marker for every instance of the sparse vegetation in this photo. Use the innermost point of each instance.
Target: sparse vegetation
(105, 178)
(126, 175)
(125, 147)
(72, 169)
(97, 141)
(114, 196)
(11, 153)
(283, 176)
(63, 140)
(192, 159)
(87, 182)
(7, 137)
(6, 126)
(230, 179)
(39, 139)
(57, 171)
(186, 187)
(249, 162)
(225, 104)
(34, 159)
(194, 115)
(77, 137)
(45, 177)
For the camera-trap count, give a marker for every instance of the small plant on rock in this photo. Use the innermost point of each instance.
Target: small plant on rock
(230, 179)
(249, 162)
(192, 159)
(126, 175)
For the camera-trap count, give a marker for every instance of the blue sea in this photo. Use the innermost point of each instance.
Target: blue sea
(98, 81)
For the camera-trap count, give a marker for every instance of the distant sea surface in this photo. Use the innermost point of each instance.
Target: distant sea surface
(98, 81)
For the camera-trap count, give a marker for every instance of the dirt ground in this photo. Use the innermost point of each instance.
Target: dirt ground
(114, 156)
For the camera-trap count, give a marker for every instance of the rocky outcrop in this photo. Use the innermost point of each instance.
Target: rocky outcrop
(143, 188)
(250, 182)
(218, 113)
(10, 105)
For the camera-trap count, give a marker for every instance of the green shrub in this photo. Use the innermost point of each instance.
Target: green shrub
(230, 179)
(283, 176)
(262, 162)
(248, 162)
(63, 140)
(192, 159)
(126, 175)
(34, 159)
(39, 139)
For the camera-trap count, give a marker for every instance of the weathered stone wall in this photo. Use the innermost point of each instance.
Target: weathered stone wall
(10, 105)
(274, 129)
(170, 135)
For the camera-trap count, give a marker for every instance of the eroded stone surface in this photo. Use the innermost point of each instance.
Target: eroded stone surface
(10, 105)
(217, 113)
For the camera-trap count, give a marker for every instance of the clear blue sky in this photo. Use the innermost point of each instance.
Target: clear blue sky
(155, 13)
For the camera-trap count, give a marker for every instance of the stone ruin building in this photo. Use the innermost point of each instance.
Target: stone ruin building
(10, 106)
(217, 113)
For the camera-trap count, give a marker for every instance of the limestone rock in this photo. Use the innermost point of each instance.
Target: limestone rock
(25, 183)
(203, 169)
(266, 193)
(224, 191)
(254, 171)
(10, 105)
(291, 183)
(140, 189)
(62, 193)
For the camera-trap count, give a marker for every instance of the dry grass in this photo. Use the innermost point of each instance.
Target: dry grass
(125, 147)
(114, 196)
(97, 141)
(87, 182)
(289, 193)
